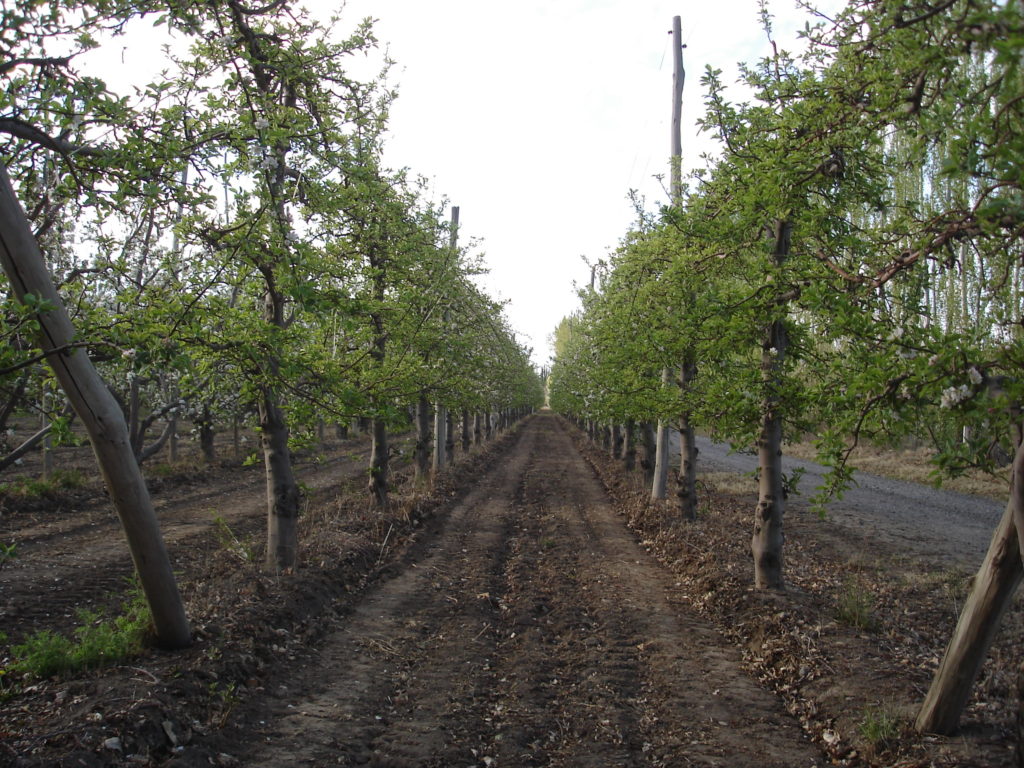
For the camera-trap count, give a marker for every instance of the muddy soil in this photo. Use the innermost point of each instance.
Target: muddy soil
(530, 629)
(532, 609)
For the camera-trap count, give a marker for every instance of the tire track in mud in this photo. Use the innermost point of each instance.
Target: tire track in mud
(531, 630)
(414, 657)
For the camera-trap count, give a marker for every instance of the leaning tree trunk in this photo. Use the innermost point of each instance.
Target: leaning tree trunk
(767, 540)
(994, 586)
(100, 414)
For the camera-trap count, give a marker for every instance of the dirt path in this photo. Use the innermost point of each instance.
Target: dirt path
(528, 628)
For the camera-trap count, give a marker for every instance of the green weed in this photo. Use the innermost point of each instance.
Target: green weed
(98, 641)
(229, 542)
(878, 728)
(7, 553)
(42, 487)
(855, 606)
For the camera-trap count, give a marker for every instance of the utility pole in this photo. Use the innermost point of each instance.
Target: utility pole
(661, 457)
(440, 457)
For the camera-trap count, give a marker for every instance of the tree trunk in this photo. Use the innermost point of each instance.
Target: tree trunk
(466, 441)
(687, 486)
(100, 414)
(659, 480)
(629, 445)
(767, 540)
(421, 451)
(994, 586)
(379, 462)
(440, 456)
(449, 437)
(282, 489)
(478, 430)
(650, 443)
(206, 435)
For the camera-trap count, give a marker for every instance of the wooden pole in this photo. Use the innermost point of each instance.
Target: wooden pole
(659, 486)
(678, 79)
(31, 283)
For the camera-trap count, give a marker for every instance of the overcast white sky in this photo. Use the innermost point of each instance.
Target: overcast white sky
(537, 117)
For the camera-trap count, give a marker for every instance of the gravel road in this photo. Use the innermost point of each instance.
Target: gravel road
(926, 521)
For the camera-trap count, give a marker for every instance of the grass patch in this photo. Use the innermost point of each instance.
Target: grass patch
(7, 553)
(98, 641)
(855, 606)
(879, 728)
(25, 488)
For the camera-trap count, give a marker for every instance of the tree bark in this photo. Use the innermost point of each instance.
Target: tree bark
(421, 451)
(767, 541)
(282, 489)
(629, 445)
(992, 594)
(650, 443)
(440, 456)
(379, 462)
(100, 414)
(687, 485)
(206, 435)
(466, 441)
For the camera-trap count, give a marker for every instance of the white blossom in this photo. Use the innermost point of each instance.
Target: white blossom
(128, 353)
(974, 375)
(261, 123)
(953, 396)
(933, 360)
(268, 163)
(292, 237)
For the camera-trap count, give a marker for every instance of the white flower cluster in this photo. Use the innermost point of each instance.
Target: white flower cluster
(974, 375)
(953, 396)
(292, 236)
(268, 163)
(261, 123)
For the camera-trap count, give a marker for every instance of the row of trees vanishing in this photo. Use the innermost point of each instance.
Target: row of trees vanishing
(223, 242)
(849, 266)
